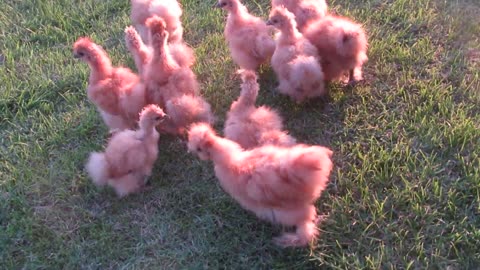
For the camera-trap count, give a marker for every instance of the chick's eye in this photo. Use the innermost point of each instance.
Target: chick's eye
(199, 149)
(223, 4)
(158, 118)
(274, 21)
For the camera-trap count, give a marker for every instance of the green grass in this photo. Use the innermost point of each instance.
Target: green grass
(405, 191)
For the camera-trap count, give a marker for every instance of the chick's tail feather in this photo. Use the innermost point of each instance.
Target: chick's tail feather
(308, 76)
(316, 166)
(189, 109)
(97, 168)
(265, 46)
(306, 68)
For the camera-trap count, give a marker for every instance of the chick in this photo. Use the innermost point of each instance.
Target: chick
(295, 60)
(169, 10)
(142, 53)
(342, 45)
(164, 77)
(172, 86)
(278, 184)
(250, 126)
(117, 92)
(129, 156)
(248, 37)
(305, 11)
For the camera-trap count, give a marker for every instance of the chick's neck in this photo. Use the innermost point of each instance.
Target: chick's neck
(290, 32)
(100, 65)
(248, 95)
(146, 129)
(238, 10)
(225, 152)
(162, 58)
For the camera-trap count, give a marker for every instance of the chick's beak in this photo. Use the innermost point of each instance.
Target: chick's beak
(76, 55)
(218, 5)
(268, 22)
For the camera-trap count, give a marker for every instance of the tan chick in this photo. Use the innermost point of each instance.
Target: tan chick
(164, 77)
(342, 45)
(279, 184)
(128, 159)
(169, 10)
(295, 60)
(117, 92)
(248, 37)
(142, 53)
(250, 126)
(305, 11)
(172, 86)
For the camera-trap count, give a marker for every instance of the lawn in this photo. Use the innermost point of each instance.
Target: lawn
(404, 193)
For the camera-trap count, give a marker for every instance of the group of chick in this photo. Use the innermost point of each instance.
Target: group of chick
(257, 162)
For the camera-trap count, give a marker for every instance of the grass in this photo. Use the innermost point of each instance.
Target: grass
(405, 190)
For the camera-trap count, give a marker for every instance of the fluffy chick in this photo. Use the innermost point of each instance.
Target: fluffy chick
(116, 91)
(342, 45)
(295, 60)
(305, 11)
(278, 184)
(250, 126)
(248, 37)
(164, 77)
(169, 10)
(142, 53)
(129, 156)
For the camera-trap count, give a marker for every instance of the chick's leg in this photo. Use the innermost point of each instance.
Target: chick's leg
(355, 76)
(305, 233)
(306, 229)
